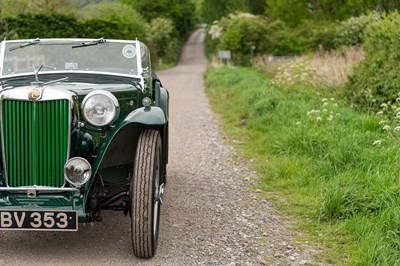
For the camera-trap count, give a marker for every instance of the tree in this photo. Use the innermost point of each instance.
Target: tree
(9, 8)
(108, 9)
(294, 11)
(47, 6)
(162, 35)
(212, 10)
(181, 12)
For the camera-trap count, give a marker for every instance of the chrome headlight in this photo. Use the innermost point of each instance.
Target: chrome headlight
(77, 171)
(100, 108)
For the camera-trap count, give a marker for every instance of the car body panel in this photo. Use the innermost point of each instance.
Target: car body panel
(75, 68)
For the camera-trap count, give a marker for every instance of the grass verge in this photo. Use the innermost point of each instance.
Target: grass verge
(332, 168)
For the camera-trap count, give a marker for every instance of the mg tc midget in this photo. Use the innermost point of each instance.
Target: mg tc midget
(84, 129)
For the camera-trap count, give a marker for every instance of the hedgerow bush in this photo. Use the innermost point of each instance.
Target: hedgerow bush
(350, 32)
(163, 36)
(5, 33)
(376, 79)
(55, 25)
(43, 25)
(316, 35)
(241, 31)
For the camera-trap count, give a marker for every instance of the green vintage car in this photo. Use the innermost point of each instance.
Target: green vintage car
(84, 129)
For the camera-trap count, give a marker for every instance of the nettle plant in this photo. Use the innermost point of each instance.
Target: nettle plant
(390, 122)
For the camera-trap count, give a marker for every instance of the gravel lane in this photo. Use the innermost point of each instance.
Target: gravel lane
(210, 216)
(215, 217)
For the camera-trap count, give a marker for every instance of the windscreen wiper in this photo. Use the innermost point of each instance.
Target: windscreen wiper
(33, 42)
(94, 42)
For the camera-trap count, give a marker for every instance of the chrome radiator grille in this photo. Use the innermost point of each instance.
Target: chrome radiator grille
(35, 137)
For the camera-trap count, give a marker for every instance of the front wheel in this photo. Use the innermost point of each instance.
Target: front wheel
(146, 193)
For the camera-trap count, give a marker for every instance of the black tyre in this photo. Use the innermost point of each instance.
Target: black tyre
(146, 193)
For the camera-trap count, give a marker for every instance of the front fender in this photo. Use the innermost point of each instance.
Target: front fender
(151, 116)
(140, 118)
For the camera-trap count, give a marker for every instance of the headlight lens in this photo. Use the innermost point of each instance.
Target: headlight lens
(77, 171)
(100, 108)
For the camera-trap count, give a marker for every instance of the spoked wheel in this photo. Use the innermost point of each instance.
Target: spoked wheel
(146, 192)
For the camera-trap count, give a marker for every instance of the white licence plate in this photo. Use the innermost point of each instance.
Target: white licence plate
(39, 220)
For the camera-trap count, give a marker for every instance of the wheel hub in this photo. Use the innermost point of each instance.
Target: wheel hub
(160, 194)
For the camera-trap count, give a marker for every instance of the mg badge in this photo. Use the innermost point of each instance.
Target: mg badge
(34, 94)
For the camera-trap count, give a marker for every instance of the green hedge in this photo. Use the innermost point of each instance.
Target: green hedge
(376, 79)
(240, 32)
(27, 26)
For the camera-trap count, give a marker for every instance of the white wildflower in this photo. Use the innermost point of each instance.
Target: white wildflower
(333, 99)
(377, 143)
(384, 105)
(386, 128)
(382, 122)
(324, 100)
(396, 129)
(298, 123)
(379, 113)
(215, 31)
(325, 104)
(319, 118)
(324, 110)
(330, 118)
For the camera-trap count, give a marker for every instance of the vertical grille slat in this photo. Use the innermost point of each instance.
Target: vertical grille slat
(35, 142)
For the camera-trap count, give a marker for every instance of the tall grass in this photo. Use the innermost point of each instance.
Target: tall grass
(317, 159)
(321, 70)
(335, 66)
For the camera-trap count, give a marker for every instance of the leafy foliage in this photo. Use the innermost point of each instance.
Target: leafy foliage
(57, 25)
(240, 32)
(113, 13)
(377, 79)
(243, 33)
(350, 32)
(15, 7)
(293, 12)
(181, 12)
(315, 35)
(163, 36)
(109, 9)
(212, 10)
(41, 25)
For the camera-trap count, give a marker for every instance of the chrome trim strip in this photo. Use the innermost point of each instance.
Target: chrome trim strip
(39, 189)
(2, 52)
(139, 65)
(72, 72)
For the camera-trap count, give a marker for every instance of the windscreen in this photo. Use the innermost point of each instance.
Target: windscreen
(62, 55)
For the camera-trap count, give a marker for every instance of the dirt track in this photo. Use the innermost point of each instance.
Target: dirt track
(210, 215)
